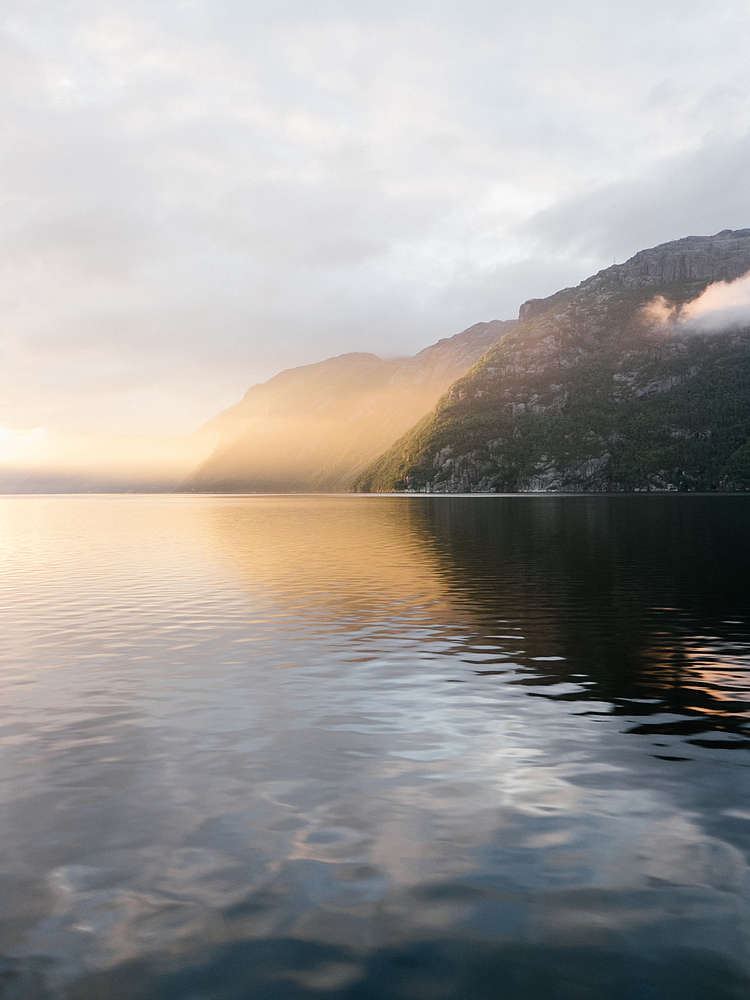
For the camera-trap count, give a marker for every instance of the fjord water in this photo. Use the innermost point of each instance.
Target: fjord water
(408, 747)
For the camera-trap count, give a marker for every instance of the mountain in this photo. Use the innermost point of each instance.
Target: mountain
(315, 427)
(633, 380)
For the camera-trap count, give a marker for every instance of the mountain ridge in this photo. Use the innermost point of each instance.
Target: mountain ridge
(591, 393)
(314, 427)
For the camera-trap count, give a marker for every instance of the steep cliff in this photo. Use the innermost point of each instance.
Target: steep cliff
(600, 387)
(315, 427)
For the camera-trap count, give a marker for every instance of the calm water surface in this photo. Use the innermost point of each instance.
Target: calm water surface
(375, 748)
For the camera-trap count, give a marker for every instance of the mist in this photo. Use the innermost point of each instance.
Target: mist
(314, 428)
(723, 305)
(41, 461)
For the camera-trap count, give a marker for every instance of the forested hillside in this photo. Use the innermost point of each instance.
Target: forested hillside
(604, 387)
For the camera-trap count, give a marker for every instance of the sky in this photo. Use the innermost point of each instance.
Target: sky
(197, 194)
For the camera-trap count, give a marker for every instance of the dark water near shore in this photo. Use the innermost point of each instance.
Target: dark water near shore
(375, 748)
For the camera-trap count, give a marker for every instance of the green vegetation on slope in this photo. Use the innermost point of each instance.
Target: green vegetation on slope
(592, 394)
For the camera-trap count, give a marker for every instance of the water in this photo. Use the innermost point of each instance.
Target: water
(388, 748)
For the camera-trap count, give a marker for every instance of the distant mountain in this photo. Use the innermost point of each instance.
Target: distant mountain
(314, 428)
(607, 386)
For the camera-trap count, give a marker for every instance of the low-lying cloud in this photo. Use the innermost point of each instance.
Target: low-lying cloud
(724, 305)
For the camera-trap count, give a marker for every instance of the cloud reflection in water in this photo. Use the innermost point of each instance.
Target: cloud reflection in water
(456, 778)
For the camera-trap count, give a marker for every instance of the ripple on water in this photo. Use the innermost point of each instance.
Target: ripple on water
(387, 746)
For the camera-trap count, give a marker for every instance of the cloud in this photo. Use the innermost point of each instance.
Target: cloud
(723, 305)
(698, 193)
(196, 195)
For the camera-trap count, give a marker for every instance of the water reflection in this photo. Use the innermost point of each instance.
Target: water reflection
(643, 600)
(375, 747)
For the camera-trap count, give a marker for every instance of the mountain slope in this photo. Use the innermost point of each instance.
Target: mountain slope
(315, 427)
(599, 387)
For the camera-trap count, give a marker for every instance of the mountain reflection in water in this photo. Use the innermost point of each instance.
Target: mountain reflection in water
(506, 755)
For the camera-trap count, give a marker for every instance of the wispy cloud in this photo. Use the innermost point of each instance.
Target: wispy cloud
(724, 305)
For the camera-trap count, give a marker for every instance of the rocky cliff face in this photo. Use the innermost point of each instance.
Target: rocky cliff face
(701, 259)
(315, 427)
(722, 257)
(590, 392)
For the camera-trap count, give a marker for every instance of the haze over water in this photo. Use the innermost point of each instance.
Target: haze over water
(408, 747)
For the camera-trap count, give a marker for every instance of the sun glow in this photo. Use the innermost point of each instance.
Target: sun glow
(19, 445)
(33, 457)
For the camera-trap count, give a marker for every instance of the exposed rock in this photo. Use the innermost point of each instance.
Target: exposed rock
(722, 257)
(591, 393)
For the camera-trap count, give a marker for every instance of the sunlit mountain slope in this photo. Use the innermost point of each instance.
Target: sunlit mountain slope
(315, 427)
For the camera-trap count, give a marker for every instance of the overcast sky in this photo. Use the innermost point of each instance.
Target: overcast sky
(197, 194)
